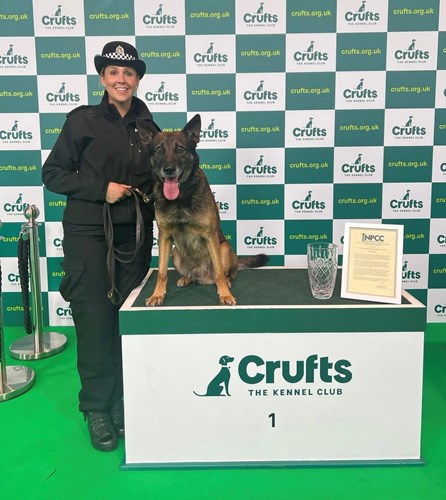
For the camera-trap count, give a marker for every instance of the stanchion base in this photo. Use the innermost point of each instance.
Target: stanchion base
(25, 348)
(18, 380)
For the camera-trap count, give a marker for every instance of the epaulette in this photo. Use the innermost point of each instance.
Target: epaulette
(91, 113)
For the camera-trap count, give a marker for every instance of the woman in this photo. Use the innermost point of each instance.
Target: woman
(97, 161)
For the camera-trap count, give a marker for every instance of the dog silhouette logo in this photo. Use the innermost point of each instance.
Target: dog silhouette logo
(219, 385)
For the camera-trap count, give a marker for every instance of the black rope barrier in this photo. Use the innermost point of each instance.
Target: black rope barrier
(41, 344)
(23, 262)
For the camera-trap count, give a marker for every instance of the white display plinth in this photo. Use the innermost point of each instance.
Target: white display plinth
(270, 396)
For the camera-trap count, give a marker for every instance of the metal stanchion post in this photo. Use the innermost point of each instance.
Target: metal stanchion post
(39, 345)
(14, 380)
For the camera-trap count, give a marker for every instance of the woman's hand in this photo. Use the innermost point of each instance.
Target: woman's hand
(117, 192)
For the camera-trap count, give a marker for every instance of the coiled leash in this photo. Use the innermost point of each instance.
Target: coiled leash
(116, 255)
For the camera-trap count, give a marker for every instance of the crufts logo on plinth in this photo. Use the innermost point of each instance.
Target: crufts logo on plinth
(280, 377)
(219, 385)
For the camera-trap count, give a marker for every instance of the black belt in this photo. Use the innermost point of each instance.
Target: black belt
(116, 255)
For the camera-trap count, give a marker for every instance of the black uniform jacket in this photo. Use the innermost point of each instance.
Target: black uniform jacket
(95, 147)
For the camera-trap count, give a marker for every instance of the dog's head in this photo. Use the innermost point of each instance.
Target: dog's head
(224, 360)
(173, 156)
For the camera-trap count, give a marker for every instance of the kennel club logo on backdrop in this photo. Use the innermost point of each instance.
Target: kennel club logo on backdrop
(409, 275)
(412, 54)
(15, 206)
(360, 90)
(58, 19)
(13, 202)
(317, 376)
(12, 57)
(210, 54)
(214, 133)
(308, 201)
(260, 94)
(409, 130)
(15, 134)
(163, 94)
(415, 51)
(260, 17)
(261, 167)
(62, 96)
(408, 201)
(358, 167)
(362, 16)
(260, 240)
(309, 129)
(408, 127)
(161, 18)
(19, 131)
(312, 53)
(360, 93)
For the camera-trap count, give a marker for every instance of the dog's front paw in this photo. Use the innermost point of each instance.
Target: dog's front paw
(183, 281)
(227, 300)
(154, 300)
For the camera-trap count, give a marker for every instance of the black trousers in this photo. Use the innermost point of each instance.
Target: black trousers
(85, 286)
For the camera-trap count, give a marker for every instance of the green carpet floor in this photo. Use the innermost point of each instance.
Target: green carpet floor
(45, 452)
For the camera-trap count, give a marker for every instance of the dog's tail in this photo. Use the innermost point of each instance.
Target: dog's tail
(252, 261)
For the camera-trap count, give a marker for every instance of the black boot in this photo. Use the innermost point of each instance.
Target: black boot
(102, 432)
(116, 413)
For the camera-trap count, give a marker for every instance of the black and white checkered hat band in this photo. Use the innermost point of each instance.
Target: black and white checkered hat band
(121, 57)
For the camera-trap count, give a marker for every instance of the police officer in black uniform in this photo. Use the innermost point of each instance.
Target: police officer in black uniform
(98, 160)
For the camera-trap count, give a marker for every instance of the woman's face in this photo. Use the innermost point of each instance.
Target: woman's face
(120, 83)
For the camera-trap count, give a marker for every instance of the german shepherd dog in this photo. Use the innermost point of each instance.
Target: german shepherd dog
(187, 216)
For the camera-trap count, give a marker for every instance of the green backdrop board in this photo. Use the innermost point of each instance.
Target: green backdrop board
(314, 113)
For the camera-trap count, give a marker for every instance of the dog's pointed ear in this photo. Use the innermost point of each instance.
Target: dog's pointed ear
(147, 131)
(193, 128)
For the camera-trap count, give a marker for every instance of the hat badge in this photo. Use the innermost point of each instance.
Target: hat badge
(119, 50)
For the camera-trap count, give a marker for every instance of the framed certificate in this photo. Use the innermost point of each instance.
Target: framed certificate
(372, 262)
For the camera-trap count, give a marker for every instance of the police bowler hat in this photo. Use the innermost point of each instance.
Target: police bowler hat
(119, 53)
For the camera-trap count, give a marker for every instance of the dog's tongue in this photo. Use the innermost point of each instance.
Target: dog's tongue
(170, 189)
